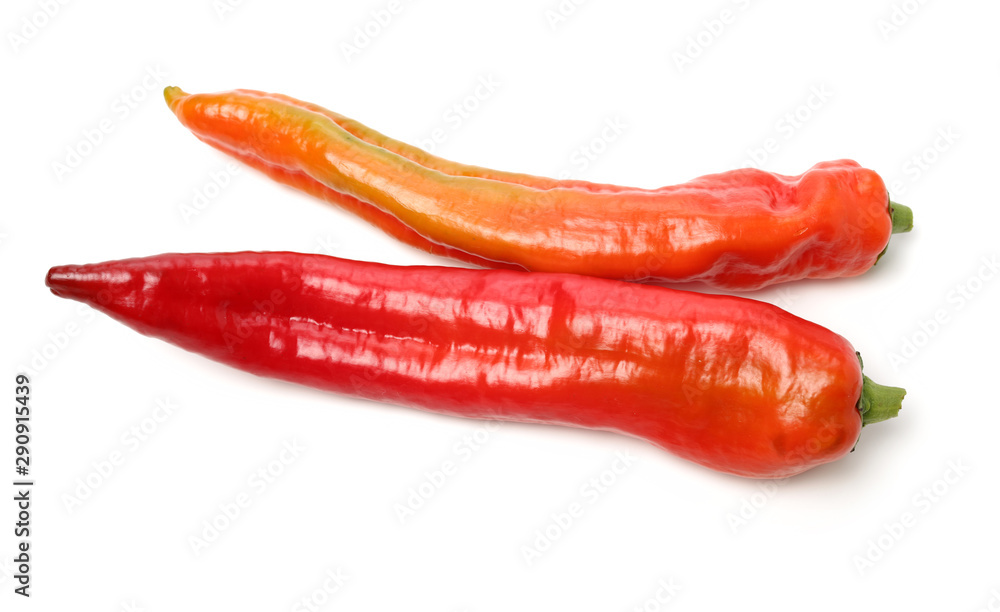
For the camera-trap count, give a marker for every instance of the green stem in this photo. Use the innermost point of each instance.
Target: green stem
(902, 217)
(879, 402)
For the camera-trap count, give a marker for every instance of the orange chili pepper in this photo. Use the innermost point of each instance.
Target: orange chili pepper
(739, 230)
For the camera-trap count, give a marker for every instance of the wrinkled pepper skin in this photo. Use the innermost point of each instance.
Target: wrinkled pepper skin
(734, 384)
(738, 230)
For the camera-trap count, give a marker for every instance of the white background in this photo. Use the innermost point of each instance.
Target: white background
(889, 92)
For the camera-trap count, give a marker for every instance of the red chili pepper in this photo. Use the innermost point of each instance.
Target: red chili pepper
(733, 384)
(741, 230)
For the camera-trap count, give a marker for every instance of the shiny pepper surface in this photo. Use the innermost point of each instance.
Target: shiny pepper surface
(738, 230)
(734, 384)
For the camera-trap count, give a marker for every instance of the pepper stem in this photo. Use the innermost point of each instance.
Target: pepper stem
(879, 402)
(902, 217)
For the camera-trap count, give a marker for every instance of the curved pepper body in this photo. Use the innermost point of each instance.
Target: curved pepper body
(739, 230)
(734, 384)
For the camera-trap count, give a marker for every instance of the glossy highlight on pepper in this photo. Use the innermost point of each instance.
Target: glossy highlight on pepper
(738, 230)
(733, 384)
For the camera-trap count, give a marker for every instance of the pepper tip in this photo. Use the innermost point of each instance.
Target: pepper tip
(58, 279)
(172, 94)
